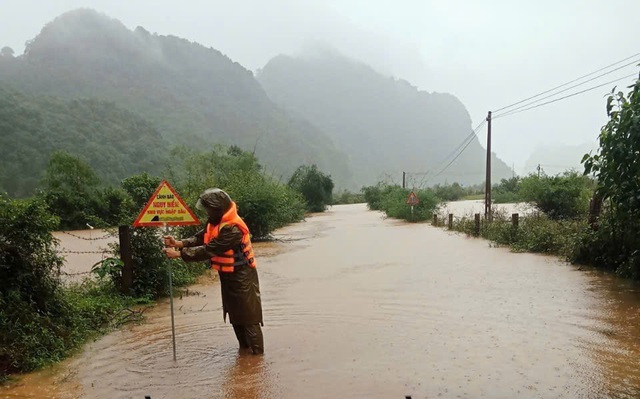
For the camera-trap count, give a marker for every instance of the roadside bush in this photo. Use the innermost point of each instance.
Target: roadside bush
(499, 230)
(508, 191)
(316, 187)
(535, 233)
(347, 197)
(71, 191)
(40, 320)
(615, 166)
(560, 197)
(151, 267)
(111, 207)
(373, 196)
(393, 201)
(264, 204)
(139, 188)
(544, 235)
(453, 192)
(607, 248)
(501, 197)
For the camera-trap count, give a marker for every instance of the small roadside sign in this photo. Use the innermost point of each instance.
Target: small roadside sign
(412, 199)
(165, 208)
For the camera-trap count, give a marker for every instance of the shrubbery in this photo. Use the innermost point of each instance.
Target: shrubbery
(508, 191)
(616, 167)
(316, 187)
(559, 197)
(393, 201)
(535, 233)
(263, 202)
(31, 301)
(347, 197)
(453, 192)
(41, 319)
(73, 191)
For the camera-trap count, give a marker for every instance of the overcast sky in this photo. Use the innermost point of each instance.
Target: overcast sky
(488, 53)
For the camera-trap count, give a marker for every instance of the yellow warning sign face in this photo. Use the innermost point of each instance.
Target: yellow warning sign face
(413, 199)
(166, 208)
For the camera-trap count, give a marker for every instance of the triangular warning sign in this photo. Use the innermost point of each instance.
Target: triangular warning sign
(165, 208)
(413, 199)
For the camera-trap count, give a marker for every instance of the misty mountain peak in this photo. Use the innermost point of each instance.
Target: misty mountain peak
(386, 124)
(82, 25)
(191, 94)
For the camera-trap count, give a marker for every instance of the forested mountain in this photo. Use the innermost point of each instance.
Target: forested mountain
(116, 142)
(192, 94)
(84, 69)
(384, 125)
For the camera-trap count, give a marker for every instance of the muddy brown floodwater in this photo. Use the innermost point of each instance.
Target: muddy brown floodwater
(356, 306)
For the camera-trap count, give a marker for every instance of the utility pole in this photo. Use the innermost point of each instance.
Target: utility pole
(487, 190)
(538, 170)
(403, 179)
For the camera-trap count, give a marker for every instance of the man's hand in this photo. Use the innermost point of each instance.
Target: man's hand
(171, 242)
(171, 253)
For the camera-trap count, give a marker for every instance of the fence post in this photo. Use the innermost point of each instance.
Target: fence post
(595, 207)
(435, 219)
(515, 220)
(477, 224)
(124, 233)
(450, 221)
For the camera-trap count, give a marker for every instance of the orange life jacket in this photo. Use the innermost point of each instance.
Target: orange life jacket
(243, 255)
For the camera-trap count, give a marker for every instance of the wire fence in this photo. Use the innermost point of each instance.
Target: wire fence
(76, 274)
(103, 237)
(64, 251)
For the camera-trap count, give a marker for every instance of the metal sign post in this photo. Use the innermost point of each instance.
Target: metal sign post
(412, 200)
(165, 208)
(173, 324)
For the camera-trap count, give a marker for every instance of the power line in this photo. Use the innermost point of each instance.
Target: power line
(572, 81)
(464, 144)
(557, 166)
(572, 87)
(425, 175)
(562, 98)
(453, 160)
(469, 137)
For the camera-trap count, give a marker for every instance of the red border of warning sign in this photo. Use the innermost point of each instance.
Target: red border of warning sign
(137, 223)
(413, 199)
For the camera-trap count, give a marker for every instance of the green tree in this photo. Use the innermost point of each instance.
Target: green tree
(140, 188)
(263, 203)
(69, 173)
(451, 192)
(392, 199)
(71, 190)
(560, 197)
(315, 187)
(616, 167)
(507, 191)
(373, 196)
(30, 296)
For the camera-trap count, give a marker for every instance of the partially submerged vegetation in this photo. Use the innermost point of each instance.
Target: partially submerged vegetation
(591, 218)
(392, 200)
(44, 318)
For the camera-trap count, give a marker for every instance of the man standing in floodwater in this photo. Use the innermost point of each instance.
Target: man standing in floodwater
(226, 243)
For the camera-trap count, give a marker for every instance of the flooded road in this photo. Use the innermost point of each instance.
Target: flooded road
(468, 208)
(357, 306)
